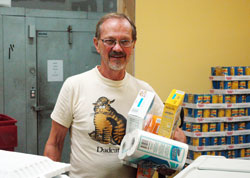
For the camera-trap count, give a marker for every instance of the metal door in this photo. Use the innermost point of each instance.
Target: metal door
(60, 54)
(39, 49)
(52, 49)
(13, 76)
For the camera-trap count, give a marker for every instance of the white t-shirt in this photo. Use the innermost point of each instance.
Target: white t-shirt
(96, 109)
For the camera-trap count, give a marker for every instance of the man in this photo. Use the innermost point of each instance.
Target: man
(94, 105)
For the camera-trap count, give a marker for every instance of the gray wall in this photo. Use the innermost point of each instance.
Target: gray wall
(70, 5)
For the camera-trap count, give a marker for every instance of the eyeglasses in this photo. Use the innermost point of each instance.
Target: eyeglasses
(112, 43)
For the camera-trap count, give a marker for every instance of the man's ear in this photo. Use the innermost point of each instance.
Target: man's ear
(95, 41)
(134, 44)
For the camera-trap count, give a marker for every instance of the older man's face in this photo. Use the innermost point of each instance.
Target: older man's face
(115, 57)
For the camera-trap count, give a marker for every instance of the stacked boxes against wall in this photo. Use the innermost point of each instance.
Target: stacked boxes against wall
(219, 123)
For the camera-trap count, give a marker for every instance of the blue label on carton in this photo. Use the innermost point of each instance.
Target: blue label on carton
(139, 104)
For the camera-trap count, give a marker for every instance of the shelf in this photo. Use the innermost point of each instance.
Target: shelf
(204, 134)
(218, 147)
(238, 146)
(216, 105)
(229, 78)
(237, 132)
(207, 148)
(217, 134)
(217, 119)
(229, 91)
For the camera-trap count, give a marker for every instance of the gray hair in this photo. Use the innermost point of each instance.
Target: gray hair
(114, 16)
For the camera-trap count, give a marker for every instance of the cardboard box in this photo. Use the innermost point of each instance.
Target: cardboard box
(139, 110)
(171, 113)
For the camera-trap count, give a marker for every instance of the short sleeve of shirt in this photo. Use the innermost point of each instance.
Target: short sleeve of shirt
(63, 110)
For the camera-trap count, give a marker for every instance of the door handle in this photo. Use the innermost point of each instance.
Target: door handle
(42, 108)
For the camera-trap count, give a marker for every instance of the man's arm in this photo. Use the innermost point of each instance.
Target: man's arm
(54, 146)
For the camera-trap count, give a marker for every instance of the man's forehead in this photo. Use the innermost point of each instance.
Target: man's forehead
(115, 21)
(116, 25)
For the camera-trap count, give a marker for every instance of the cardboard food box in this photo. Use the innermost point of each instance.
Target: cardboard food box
(171, 113)
(139, 110)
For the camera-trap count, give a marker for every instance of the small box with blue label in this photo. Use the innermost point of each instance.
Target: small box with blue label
(139, 110)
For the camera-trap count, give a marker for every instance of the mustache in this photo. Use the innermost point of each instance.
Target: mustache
(117, 54)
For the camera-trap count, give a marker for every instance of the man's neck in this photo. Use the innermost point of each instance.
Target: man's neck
(112, 74)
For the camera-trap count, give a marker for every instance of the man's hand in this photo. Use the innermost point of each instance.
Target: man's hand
(179, 135)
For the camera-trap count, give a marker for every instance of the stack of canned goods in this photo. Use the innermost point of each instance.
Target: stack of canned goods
(244, 84)
(218, 141)
(206, 141)
(203, 127)
(230, 71)
(237, 153)
(216, 98)
(227, 106)
(216, 127)
(212, 113)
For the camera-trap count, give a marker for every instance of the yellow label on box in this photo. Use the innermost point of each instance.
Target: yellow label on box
(171, 112)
